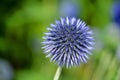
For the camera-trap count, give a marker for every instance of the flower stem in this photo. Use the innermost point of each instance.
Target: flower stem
(57, 74)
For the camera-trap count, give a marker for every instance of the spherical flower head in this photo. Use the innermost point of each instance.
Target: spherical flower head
(68, 42)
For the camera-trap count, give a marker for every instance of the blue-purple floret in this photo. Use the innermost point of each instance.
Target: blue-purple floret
(68, 42)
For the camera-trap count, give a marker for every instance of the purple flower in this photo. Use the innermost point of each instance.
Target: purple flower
(116, 12)
(69, 8)
(68, 42)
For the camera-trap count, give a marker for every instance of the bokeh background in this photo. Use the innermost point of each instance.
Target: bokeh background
(23, 23)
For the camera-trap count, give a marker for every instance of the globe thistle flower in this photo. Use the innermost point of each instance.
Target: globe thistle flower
(68, 42)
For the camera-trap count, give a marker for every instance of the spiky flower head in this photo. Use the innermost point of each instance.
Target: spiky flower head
(68, 42)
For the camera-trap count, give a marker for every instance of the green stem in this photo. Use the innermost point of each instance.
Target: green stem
(57, 74)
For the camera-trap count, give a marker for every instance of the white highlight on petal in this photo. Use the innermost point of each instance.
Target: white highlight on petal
(73, 21)
(62, 21)
(67, 21)
(78, 21)
(65, 56)
(90, 32)
(83, 25)
(68, 59)
(86, 56)
(48, 42)
(79, 24)
(53, 25)
(48, 33)
(84, 60)
(49, 29)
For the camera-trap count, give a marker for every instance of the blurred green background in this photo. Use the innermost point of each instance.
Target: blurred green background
(23, 23)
